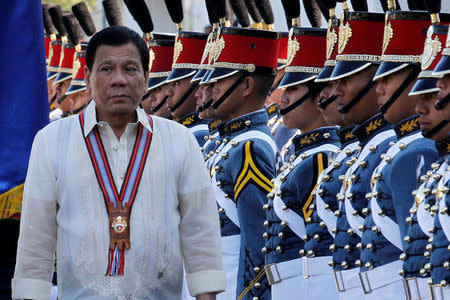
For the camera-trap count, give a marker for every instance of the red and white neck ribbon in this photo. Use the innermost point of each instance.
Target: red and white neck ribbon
(102, 169)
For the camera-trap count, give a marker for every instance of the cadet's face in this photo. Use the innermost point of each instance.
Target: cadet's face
(61, 88)
(444, 89)
(229, 106)
(348, 87)
(275, 93)
(50, 89)
(117, 80)
(303, 114)
(203, 95)
(331, 113)
(429, 117)
(155, 98)
(177, 89)
(404, 106)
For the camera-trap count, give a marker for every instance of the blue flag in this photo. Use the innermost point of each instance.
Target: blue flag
(24, 105)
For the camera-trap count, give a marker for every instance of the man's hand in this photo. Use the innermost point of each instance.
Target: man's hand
(207, 296)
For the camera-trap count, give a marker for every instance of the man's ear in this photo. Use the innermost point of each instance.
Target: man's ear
(146, 74)
(87, 76)
(249, 86)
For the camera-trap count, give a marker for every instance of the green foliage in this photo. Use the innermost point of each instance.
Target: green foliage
(67, 4)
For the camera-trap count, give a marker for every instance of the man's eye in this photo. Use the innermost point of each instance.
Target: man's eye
(105, 69)
(131, 69)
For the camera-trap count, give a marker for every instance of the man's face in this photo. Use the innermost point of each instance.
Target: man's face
(117, 81)
(177, 90)
(444, 89)
(404, 106)
(203, 95)
(330, 113)
(348, 87)
(155, 97)
(304, 114)
(429, 117)
(231, 104)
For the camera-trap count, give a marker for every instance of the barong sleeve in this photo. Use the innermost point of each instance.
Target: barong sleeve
(38, 226)
(199, 225)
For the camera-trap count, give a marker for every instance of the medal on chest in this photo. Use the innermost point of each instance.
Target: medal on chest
(118, 205)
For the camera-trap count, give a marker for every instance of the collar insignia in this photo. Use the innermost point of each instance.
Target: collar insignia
(308, 139)
(213, 124)
(388, 34)
(345, 32)
(373, 125)
(409, 126)
(292, 48)
(189, 120)
(431, 49)
(271, 109)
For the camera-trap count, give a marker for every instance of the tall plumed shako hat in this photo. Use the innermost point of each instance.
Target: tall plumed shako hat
(404, 34)
(240, 49)
(356, 51)
(55, 47)
(305, 55)
(161, 56)
(68, 49)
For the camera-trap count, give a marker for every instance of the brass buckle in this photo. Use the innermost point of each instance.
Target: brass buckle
(305, 269)
(431, 289)
(407, 286)
(367, 290)
(269, 274)
(336, 280)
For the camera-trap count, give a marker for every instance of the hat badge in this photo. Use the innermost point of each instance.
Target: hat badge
(76, 67)
(292, 48)
(208, 46)
(177, 48)
(387, 36)
(431, 49)
(152, 57)
(345, 32)
(331, 40)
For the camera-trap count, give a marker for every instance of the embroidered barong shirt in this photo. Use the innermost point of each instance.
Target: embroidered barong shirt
(173, 218)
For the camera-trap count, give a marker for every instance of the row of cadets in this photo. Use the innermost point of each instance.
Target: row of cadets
(205, 90)
(357, 60)
(77, 96)
(245, 62)
(290, 207)
(50, 35)
(187, 55)
(440, 244)
(416, 252)
(384, 232)
(55, 50)
(432, 199)
(160, 64)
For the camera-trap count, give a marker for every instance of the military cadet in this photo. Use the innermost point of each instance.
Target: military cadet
(50, 35)
(440, 245)
(55, 51)
(395, 177)
(243, 72)
(161, 54)
(289, 208)
(357, 61)
(415, 256)
(65, 71)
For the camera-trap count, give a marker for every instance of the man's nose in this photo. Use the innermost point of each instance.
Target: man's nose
(118, 78)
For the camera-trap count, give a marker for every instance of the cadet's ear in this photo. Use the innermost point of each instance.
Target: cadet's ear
(249, 86)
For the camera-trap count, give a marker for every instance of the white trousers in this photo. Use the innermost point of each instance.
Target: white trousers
(230, 261)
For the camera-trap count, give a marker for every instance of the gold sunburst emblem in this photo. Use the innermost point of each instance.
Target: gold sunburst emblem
(388, 35)
(331, 40)
(219, 45)
(345, 33)
(76, 67)
(292, 48)
(152, 57)
(177, 48)
(431, 49)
